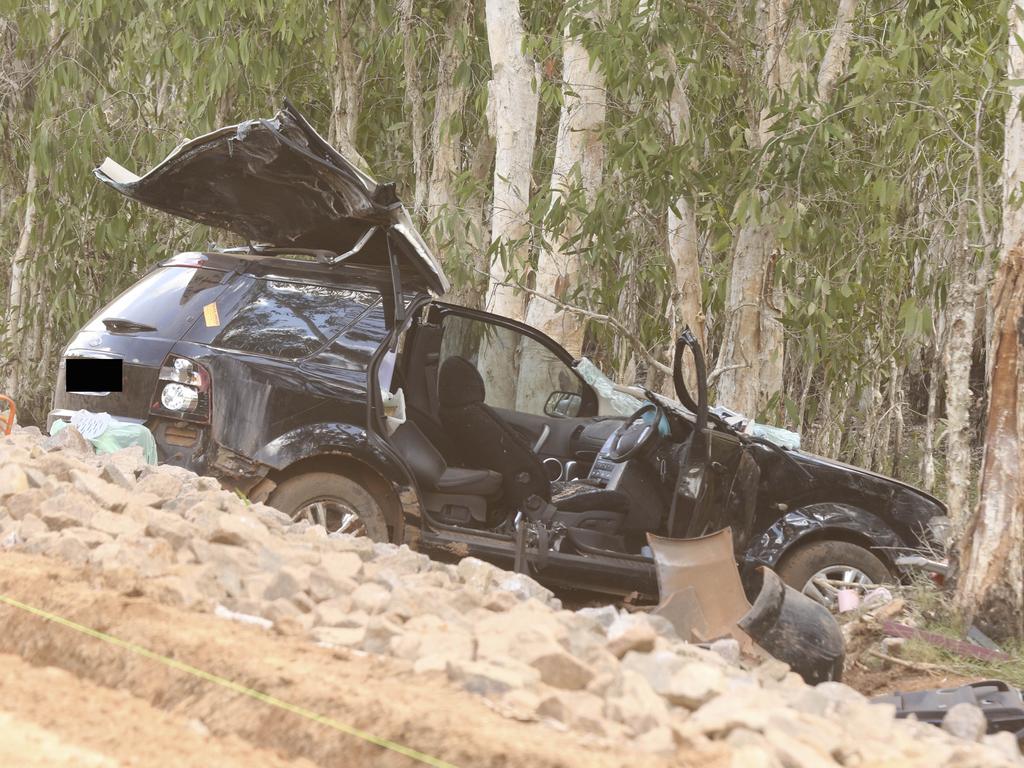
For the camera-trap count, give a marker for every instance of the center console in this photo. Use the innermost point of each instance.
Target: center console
(605, 472)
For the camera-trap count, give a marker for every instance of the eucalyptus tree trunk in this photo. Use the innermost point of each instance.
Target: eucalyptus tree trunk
(17, 291)
(990, 584)
(957, 357)
(414, 105)
(751, 358)
(837, 54)
(346, 85)
(512, 121)
(751, 354)
(685, 306)
(579, 160)
(578, 164)
(449, 102)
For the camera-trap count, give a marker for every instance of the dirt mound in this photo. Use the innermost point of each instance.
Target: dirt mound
(373, 693)
(467, 662)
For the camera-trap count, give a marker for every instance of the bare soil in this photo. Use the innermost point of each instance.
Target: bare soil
(898, 680)
(111, 704)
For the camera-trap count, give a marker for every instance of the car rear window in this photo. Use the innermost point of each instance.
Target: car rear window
(168, 299)
(290, 320)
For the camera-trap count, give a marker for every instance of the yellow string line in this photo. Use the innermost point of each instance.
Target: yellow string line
(231, 685)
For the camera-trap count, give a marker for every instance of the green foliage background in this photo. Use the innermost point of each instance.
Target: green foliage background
(863, 190)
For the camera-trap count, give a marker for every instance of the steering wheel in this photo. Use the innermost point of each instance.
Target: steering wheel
(636, 435)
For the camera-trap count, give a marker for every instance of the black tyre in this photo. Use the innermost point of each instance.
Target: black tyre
(334, 501)
(821, 568)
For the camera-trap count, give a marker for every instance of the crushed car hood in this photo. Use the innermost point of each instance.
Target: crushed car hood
(278, 182)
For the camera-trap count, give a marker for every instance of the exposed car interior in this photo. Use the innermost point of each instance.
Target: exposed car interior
(596, 484)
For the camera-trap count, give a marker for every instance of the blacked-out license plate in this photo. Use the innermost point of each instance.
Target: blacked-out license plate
(93, 374)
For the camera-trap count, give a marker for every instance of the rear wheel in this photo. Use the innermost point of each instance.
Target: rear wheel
(334, 501)
(822, 568)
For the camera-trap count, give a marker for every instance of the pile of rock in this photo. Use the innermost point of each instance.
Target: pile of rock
(608, 673)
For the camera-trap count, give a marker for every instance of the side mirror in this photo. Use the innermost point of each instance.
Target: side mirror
(563, 405)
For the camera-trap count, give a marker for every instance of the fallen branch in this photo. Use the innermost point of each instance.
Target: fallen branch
(919, 666)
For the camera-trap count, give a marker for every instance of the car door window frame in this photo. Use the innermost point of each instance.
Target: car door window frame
(589, 407)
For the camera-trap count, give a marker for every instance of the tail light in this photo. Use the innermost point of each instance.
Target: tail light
(184, 390)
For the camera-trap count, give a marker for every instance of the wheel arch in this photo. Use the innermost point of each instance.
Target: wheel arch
(825, 522)
(354, 469)
(837, 533)
(350, 451)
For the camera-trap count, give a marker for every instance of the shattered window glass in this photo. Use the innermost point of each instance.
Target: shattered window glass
(292, 320)
(613, 401)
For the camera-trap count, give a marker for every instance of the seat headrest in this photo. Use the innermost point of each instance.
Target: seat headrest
(459, 383)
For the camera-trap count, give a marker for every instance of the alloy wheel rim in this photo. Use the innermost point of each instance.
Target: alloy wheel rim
(333, 515)
(824, 586)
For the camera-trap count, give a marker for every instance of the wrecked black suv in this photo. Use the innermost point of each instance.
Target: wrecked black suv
(315, 368)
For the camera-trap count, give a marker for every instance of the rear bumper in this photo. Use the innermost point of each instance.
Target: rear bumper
(177, 443)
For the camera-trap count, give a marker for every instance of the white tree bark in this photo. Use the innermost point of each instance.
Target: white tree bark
(578, 164)
(579, 161)
(449, 102)
(837, 54)
(961, 303)
(16, 289)
(753, 338)
(990, 584)
(682, 237)
(751, 354)
(512, 120)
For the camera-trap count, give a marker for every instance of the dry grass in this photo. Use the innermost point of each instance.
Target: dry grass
(932, 610)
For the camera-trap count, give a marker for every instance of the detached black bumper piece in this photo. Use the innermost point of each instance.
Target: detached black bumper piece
(1002, 705)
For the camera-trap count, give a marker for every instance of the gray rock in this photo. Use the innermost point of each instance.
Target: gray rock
(12, 479)
(287, 582)
(340, 566)
(68, 509)
(166, 525)
(115, 475)
(523, 587)
(477, 574)
(559, 669)
(577, 709)
(236, 530)
(627, 633)
(633, 702)
(380, 632)
(25, 503)
(108, 495)
(30, 527)
(335, 612)
(161, 484)
(67, 548)
(371, 597)
(728, 648)
(60, 465)
(489, 679)
(965, 721)
(604, 616)
(68, 439)
(343, 637)
(1005, 743)
(116, 525)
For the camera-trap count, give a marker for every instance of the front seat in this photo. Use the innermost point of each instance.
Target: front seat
(483, 439)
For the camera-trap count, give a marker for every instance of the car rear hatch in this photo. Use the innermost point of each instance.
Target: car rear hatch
(139, 327)
(278, 182)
